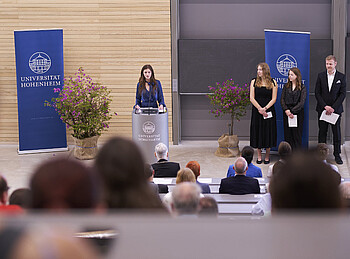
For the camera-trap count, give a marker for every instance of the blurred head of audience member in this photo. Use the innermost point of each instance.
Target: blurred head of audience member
(4, 207)
(195, 167)
(185, 175)
(322, 151)
(3, 191)
(149, 173)
(161, 151)
(345, 193)
(208, 207)
(43, 242)
(305, 182)
(241, 166)
(21, 197)
(186, 198)
(248, 154)
(121, 167)
(284, 150)
(62, 184)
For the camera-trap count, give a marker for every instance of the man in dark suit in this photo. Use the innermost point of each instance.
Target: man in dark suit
(240, 183)
(158, 188)
(164, 168)
(196, 169)
(330, 92)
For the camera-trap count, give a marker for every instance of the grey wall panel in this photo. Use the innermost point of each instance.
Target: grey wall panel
(198, 123)
(248, 20)
(205, 62)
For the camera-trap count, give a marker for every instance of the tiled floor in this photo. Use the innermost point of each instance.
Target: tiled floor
(18, 168)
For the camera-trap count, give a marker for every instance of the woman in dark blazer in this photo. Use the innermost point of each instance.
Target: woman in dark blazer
(149, 91)
(292, 102)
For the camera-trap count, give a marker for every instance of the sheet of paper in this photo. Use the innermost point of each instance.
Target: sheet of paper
(293, 123)
(162, 180)
(205, 180)
(329, 118)
(269, 115)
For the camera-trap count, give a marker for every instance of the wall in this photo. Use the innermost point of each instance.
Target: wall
(111, 39)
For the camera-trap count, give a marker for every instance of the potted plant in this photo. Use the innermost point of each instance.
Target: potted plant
(83, 106)
(229, 98)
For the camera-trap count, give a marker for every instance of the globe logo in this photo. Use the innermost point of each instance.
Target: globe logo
(39, 62)
(148, 127)
(284, 63)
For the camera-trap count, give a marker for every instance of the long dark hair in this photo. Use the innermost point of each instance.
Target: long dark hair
(142, 79)
(297, 72)
(120, 165)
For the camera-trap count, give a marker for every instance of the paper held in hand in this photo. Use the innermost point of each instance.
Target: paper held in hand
(269, 115)
(329, 118)
(293, 123)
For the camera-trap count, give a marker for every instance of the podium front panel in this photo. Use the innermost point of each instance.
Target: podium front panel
(148, 130)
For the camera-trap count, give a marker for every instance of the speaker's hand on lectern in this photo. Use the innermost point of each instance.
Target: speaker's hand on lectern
(137, 107)
(161, 107)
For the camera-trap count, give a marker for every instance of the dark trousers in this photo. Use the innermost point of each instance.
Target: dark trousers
(322, 134)
(294, 135)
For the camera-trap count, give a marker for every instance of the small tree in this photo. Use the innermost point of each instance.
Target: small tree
(228, 98)
(83, 105)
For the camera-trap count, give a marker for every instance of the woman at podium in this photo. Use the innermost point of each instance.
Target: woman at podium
(149, 91)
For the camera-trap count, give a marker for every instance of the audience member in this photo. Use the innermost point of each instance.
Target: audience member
(284, 151)
(4, 207)
(196, 169)
(158, 188)
(323, 151)
(184, 175)
(18, 242)
(305, 182)
(208, 207)
(240, 183)
(263, 206)
(21, 197)
(121, 167)
(345, 193)
(164, 168)
(186, 198)
(62, 184)
(252, 171)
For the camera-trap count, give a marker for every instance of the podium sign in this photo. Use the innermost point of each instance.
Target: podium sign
(149, 128)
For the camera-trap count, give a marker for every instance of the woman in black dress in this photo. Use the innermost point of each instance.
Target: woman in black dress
(292, 103)
(263, 95)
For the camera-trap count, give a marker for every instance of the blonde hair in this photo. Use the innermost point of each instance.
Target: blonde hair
(185, 175)
(266, 75)
(331, 57)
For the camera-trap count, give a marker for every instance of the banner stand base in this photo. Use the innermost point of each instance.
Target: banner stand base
(23, 152)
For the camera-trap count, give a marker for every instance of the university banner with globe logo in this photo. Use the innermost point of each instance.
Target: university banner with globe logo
(39, 68)
(284, 50)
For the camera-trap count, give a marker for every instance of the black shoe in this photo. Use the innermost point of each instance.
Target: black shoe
(267, 162)
(259, 161)
(338, 160)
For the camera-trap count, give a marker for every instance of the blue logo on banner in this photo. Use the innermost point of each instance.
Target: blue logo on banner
(39, 62)
(284, 63)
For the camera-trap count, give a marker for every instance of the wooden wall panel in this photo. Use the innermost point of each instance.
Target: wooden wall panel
(111, 39)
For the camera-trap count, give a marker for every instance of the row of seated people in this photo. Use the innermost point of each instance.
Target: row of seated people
(117, 181)
(61, 171)
(164, 168)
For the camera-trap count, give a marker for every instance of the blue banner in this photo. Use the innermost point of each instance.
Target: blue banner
(284, 50)
(39, 67)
